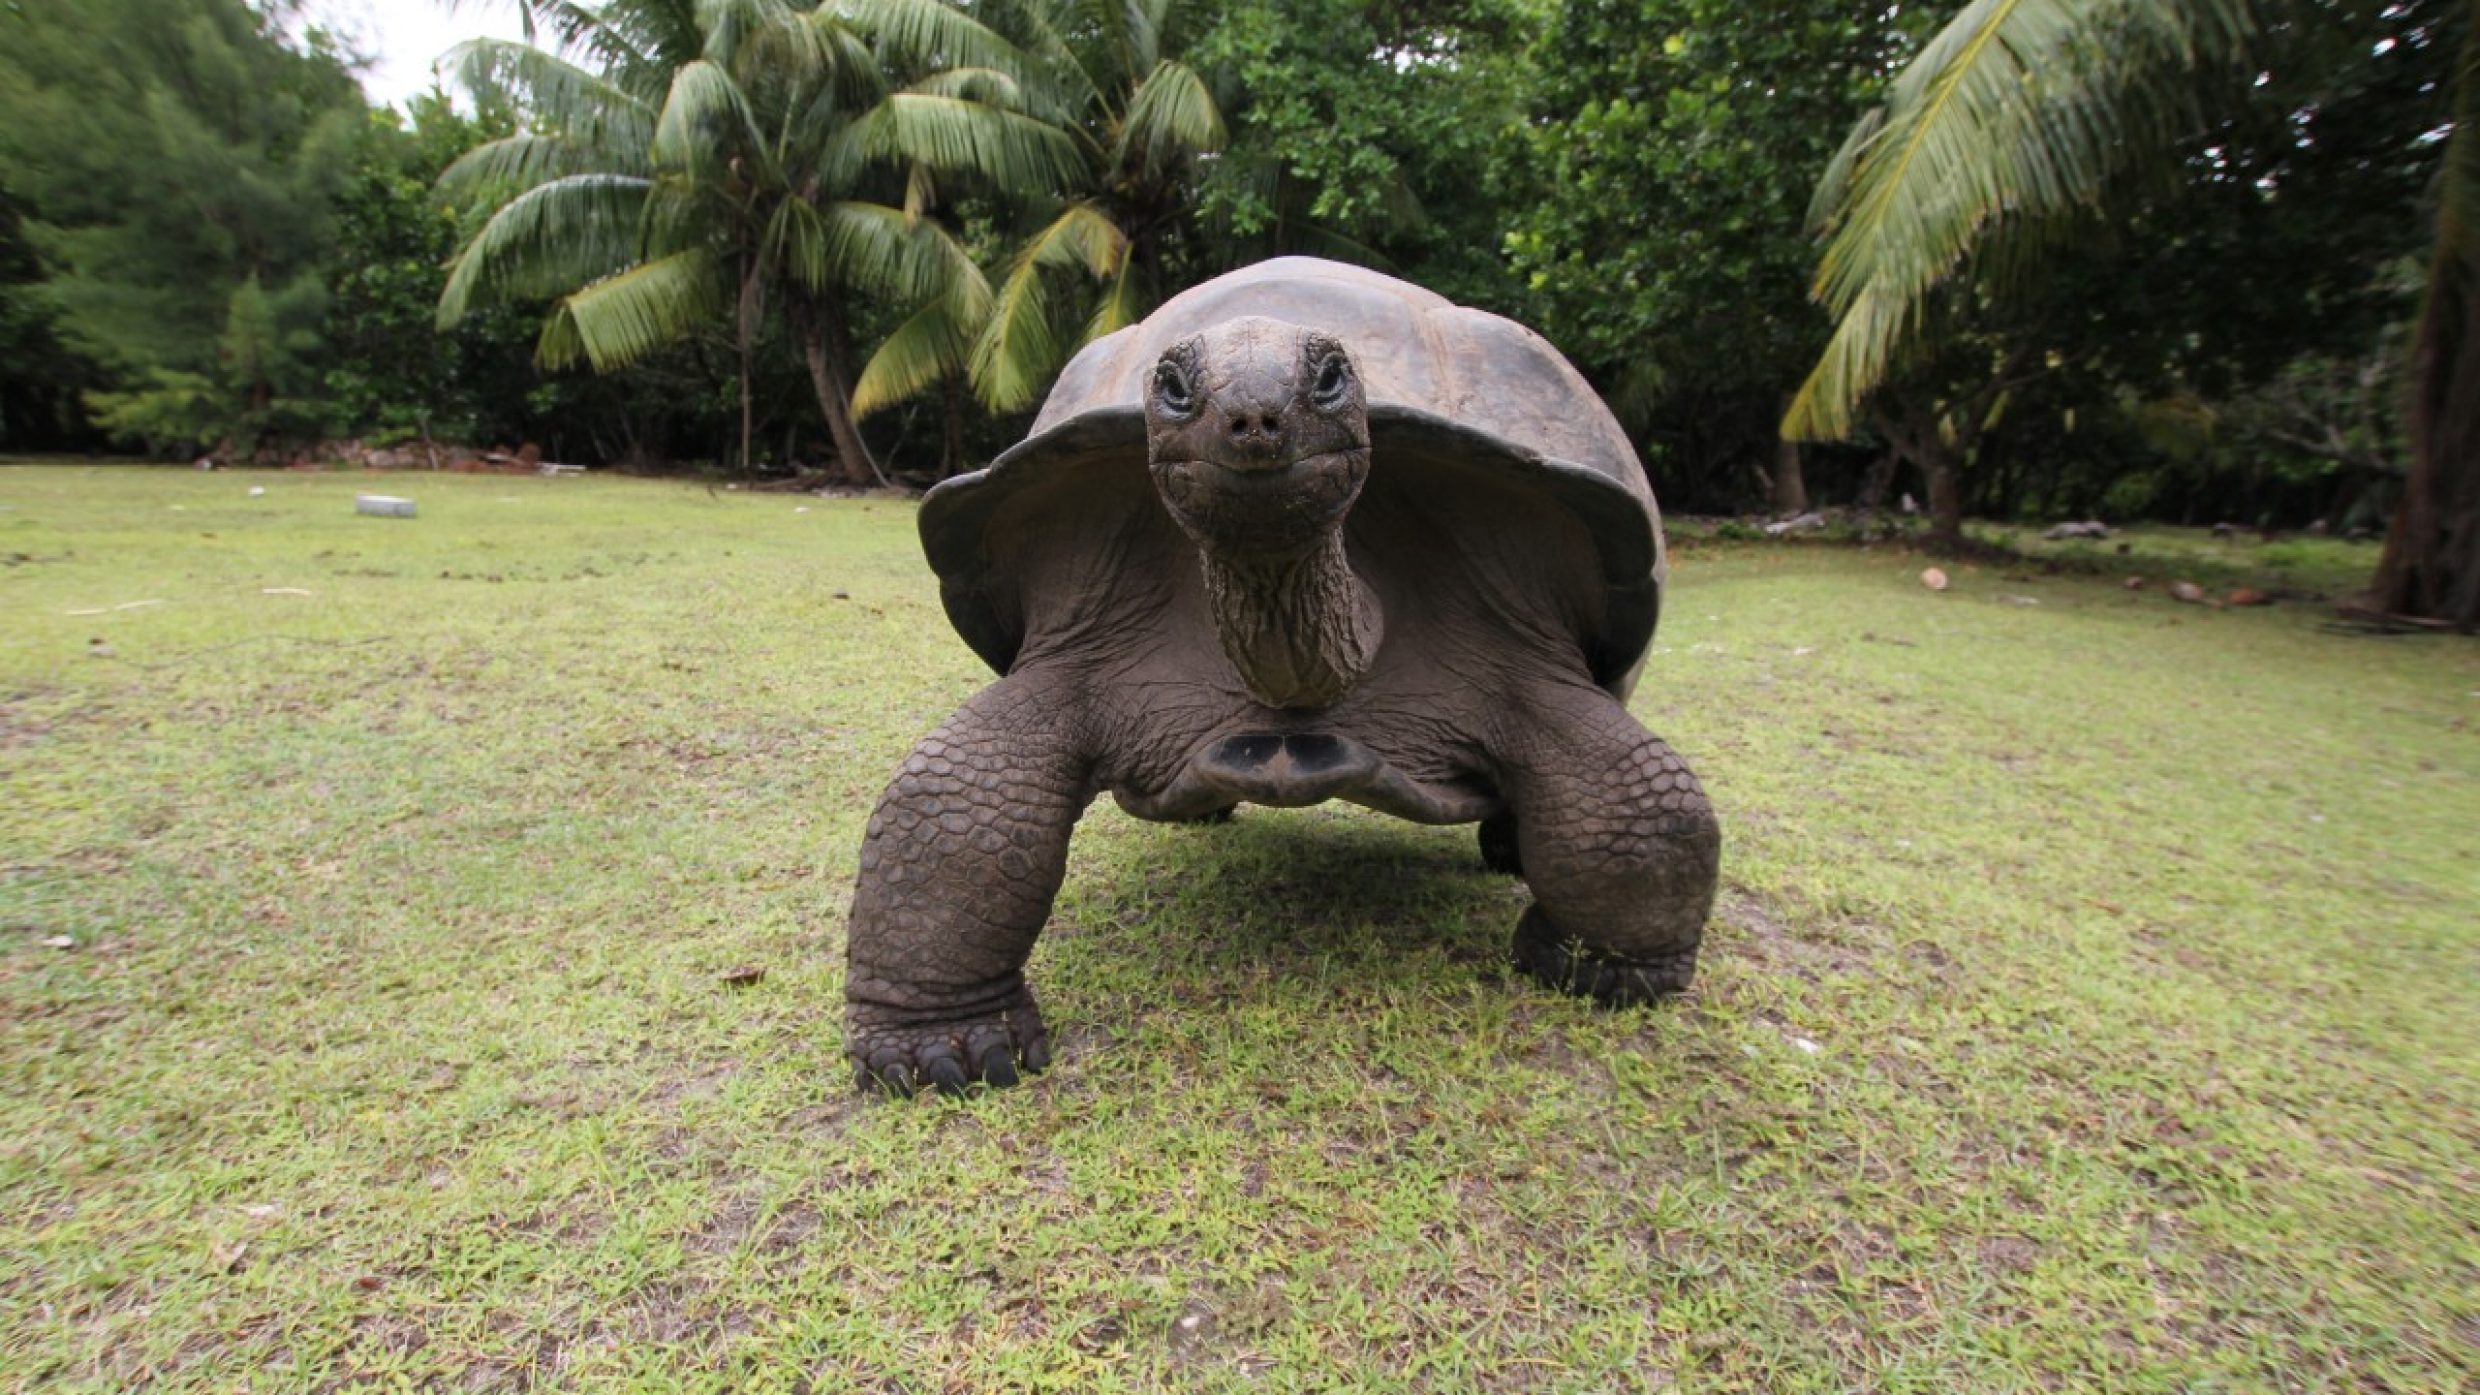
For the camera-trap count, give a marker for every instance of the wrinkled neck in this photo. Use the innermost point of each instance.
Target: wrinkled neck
(1300, 627)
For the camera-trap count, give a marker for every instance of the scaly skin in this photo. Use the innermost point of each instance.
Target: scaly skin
(962, 858)
(970, 841)
(1618, 844)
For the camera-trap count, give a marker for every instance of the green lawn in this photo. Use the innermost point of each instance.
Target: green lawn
(2090, 1007)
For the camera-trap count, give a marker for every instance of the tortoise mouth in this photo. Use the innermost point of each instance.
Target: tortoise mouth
(1248, 505)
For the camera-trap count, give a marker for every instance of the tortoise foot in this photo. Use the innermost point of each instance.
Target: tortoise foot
(1570, 966)
(903, 1052)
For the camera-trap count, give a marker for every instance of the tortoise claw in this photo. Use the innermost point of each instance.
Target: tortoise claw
(903, 1057)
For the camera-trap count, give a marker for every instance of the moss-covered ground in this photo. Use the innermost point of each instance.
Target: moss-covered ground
(2090, 1005)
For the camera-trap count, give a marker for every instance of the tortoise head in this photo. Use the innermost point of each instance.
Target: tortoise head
(1257, 432)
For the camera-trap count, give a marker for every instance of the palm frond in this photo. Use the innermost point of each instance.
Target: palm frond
(931, 32)
(1122, 304)
(1020, 348)
(1172, 114)
(1064, 83)
(1107, 21)
(989, 86)
(2015, 110)
(560, 97)
(1144, 24)
(512, 164)
(705, 121)
(933, 344)
(867, 244)
(547, 240)
(1018, 352)
(952, 135)
(729, 24)
(847, 77)
(615, 321)
(1082, 235)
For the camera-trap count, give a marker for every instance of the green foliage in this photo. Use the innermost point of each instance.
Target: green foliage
(172, 154)
(44, 382)
(1375, 133)
(743, 155)
(261, 359)
(2014, 115)
(170, 410)
(1112, 239)
(388, 375)
(1674, 144)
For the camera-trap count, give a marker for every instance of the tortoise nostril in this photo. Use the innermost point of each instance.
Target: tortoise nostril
(1245, 424)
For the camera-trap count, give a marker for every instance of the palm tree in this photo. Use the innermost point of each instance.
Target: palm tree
(2015, 115)
(719, 156)
(2019, 114)
(1143, 121)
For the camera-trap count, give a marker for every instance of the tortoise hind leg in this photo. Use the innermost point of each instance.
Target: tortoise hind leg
(1619, 846)
(963, 856)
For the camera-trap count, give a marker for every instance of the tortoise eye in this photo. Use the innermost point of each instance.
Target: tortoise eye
(1333, 380)
(1172, 390)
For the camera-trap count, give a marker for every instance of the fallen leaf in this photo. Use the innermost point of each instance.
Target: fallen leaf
(59, 942)
(2247, 595)
(2187, 591)
(745, 975)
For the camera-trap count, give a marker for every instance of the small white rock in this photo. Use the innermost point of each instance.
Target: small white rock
(59, 942)
(258, 491)
(1806, 1045)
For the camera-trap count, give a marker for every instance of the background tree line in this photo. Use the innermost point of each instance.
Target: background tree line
(2027, 259)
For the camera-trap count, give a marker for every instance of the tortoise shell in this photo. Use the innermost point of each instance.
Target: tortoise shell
(1451, 391)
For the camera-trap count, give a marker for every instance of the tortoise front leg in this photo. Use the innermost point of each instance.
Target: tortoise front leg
(1617, 843)
(963, 856)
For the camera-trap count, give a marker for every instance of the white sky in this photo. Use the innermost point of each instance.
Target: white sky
(405, 37)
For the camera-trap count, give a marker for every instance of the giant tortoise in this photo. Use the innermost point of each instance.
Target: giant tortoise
(1306, 533)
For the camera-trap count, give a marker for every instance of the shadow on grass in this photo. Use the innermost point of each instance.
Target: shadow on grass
(1294, 892)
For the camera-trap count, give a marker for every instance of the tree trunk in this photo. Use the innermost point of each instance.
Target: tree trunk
(746, 328)
(2431, 566)
(1790, 484)
(1944, 467)
(830, 376)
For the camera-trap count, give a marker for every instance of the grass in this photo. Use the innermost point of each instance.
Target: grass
(2089, 1006)
(2302, 566)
